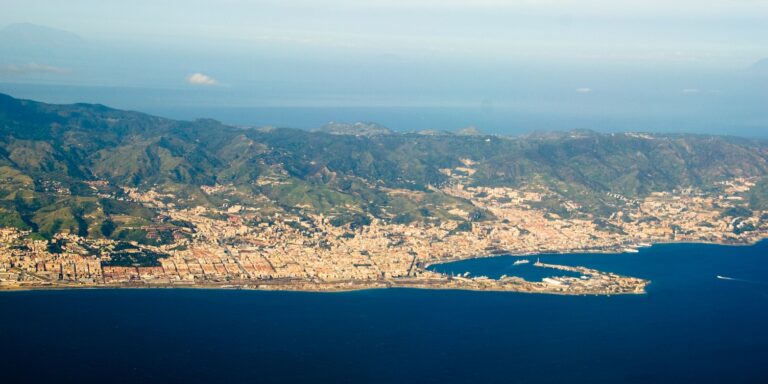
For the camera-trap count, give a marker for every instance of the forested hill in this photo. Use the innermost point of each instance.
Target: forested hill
(64, 167)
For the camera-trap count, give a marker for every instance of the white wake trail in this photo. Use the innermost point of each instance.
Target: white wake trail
(740, 280)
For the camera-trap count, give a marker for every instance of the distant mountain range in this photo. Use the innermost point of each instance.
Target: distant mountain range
(24, 44)
(26, 34)
(64, 167)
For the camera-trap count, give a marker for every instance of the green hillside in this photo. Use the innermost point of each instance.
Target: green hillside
(50, 155)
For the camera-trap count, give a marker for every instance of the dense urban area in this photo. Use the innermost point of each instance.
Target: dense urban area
(287, 252)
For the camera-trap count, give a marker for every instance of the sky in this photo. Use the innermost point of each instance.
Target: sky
(503, 66)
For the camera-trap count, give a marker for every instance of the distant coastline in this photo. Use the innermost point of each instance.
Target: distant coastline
(616, 250)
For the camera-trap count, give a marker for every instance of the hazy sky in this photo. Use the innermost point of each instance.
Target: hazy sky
(718, 33)
(606, 60)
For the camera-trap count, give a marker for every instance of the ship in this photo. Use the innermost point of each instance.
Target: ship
(522, 261)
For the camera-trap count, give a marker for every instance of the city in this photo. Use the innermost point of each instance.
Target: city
(288, 251)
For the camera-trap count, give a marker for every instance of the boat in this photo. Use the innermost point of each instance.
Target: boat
(522, 261)
(630, 250)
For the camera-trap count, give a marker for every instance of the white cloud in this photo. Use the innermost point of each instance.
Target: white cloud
(201, 79)
(690, 90)
(584, 90)
(29, 68)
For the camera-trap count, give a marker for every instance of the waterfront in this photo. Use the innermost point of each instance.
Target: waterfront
(691, 326)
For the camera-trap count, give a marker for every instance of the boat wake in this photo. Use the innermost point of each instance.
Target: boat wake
(518, 262)
(740, 280)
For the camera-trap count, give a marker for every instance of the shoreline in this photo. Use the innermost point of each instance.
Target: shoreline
(4, 290)
(616, 251)
(406, 283)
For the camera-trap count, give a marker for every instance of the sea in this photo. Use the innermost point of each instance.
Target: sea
(738, 110)
(704, 319)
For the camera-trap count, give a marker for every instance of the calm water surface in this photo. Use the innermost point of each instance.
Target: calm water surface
(690, 327)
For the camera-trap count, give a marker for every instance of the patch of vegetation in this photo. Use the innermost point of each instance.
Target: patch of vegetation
(758, 195)
(107, 228)
(56, 246)
(353, 220)
(134, 234)
(134, 258)
(604, 225)
(736, 212)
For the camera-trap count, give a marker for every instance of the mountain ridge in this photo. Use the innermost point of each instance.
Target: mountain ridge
(59, 162)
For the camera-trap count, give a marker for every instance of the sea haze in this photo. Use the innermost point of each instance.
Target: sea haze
(497, 88)
(708, 114)
(691, 326)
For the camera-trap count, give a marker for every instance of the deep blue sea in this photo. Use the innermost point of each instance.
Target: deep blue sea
(691, 327)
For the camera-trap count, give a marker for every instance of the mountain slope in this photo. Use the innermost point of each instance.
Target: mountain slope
(64, 168)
